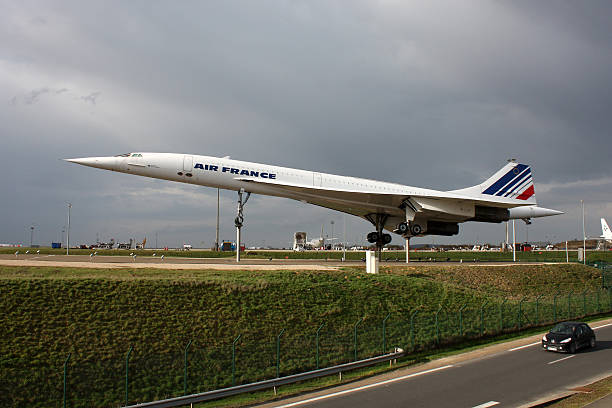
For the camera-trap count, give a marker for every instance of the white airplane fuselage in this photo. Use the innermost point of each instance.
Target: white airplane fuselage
(352, 195)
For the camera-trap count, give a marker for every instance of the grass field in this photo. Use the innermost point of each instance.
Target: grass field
(453, 256)
(97, 314)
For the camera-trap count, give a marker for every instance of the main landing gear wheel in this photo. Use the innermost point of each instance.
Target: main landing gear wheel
(416, 229)
(402, 228)
(372, 237)
(379, 239)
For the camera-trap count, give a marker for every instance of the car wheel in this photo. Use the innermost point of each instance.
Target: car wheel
(572, 348)
(592, 343)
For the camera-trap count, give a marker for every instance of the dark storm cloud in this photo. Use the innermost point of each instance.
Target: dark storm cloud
(435, 94)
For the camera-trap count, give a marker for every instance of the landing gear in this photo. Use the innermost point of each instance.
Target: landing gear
(378, 237)
(239, 220)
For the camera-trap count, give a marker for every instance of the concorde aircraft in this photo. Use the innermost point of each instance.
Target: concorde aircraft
(404, 210)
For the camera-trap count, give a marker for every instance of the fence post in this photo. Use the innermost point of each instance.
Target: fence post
(355, 336)
(384, 334)
(185, 369)
(569, 304)
(127, 373)
(538, 309)
(555, 307)
(412, 328)
(234, 359)
(438, 325)
(278, 352)
(317, 341)
(501, 315)
(461, 320)
(482, 318)
(65, 368)
(520, 310)
(584, 308)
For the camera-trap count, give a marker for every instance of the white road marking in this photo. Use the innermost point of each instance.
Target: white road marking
(561, 359)
(525, 346)
(603, 325)
(365, 387)
(487, 404)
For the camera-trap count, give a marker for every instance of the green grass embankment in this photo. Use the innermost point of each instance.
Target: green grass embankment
(98, 314)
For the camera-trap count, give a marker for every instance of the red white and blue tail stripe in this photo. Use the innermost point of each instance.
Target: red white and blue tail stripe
(514, 181)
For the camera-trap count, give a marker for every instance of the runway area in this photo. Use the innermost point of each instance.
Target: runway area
(87, 261)
(513, 374)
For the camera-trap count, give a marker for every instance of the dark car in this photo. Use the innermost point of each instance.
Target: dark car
(569, 337)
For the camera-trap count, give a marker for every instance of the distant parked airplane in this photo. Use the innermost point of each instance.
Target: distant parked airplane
(405, 210)
(605, 231)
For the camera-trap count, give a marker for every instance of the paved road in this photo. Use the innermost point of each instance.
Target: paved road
(221, 261)
(511, 378)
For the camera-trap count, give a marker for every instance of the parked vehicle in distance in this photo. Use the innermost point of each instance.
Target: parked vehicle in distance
(569, 337)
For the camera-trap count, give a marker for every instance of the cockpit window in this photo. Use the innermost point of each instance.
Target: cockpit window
(124, 155)
(136, 155)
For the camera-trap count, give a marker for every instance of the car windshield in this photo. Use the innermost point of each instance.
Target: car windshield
(563, 328)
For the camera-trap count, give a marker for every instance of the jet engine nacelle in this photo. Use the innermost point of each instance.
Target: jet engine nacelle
(490, 214)
(442, 228)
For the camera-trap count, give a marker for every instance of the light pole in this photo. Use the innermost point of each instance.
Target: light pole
(217, 235)
(68, 231)
(332, 234)
(31, 235)
(513, 243)
(583, 235)
(344, 240)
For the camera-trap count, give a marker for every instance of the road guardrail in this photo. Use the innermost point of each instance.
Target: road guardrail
(266, 384)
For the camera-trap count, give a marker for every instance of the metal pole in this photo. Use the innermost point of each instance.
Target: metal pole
(68, 232)
(407, 250)
(583, 235)
(344, 240)
(538, 309)
(384, 334)
(520, 310)
(412, 328)
(65, 369)
(185, 371)
(482, 318)
(278, 352)
(234, 359)
(127, 371)
(461, 319)
(569, 304)
(513, 243)
(501, 315)
(355, 335)
(31, 235)
(566, 253)
(317, 342)
(217, 231)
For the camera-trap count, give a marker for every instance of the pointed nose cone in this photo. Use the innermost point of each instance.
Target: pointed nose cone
(107, 163)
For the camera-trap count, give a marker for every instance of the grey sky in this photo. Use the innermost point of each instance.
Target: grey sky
(432, 94)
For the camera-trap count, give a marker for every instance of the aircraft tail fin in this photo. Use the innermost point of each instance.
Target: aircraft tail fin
(513, 181)
(605, 230)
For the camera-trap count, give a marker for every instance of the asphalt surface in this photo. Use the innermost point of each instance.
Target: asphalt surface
(511, 378)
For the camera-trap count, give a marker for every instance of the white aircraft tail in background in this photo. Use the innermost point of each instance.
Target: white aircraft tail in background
(605, 231)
